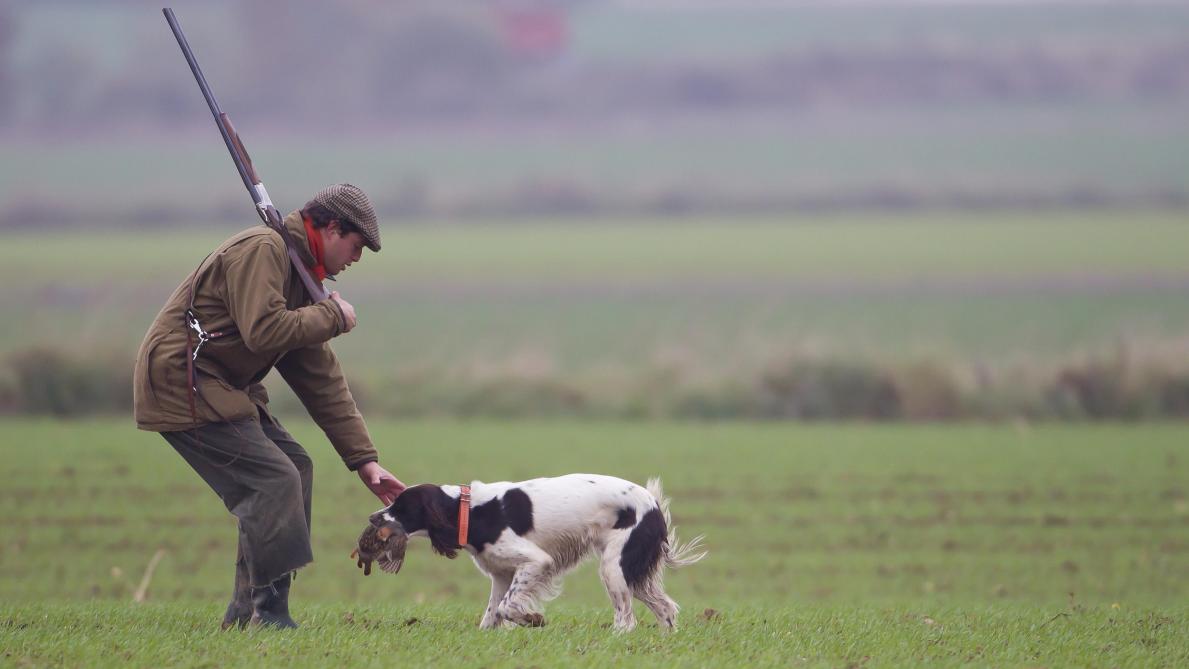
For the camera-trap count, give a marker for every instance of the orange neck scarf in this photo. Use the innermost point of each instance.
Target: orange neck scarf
(315, 239)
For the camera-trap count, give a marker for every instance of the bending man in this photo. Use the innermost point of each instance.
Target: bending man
(240, 314)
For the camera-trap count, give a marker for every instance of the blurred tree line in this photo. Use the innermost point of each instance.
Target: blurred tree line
(363, 61)
(1118, 385)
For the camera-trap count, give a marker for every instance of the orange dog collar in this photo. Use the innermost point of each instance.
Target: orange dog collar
(464, 514)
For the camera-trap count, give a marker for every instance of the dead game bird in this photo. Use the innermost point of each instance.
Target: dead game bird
(384, 545)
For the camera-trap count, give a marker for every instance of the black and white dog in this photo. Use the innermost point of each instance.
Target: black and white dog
(525, 536)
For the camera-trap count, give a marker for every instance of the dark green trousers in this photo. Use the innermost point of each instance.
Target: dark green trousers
(265, 480)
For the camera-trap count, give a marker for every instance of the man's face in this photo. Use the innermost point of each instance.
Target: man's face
(339, 250)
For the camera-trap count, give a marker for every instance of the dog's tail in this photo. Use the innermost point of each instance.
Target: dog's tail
(675, 554)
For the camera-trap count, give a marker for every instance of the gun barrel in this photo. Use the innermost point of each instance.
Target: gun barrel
(243, 163)
(231, 142)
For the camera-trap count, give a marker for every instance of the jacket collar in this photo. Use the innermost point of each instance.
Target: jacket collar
(297, 230)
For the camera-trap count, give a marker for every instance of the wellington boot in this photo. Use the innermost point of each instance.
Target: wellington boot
(239, 611)
(270, 604)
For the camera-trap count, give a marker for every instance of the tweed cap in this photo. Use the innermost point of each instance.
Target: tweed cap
(352, 205)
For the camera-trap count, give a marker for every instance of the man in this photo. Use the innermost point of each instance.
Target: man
(241, 313)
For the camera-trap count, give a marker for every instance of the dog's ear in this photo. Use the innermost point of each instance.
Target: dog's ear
(441, 528)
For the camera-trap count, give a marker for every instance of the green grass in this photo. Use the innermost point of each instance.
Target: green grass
(946, 545)
(394, 635)
(841, 513)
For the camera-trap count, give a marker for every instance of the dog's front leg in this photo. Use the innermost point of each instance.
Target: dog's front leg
(532, 580)
(500, 581)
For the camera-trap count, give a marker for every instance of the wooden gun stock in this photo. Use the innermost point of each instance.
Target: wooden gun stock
(238, 147)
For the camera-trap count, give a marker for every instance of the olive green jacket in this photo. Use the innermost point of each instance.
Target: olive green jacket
(248, 287)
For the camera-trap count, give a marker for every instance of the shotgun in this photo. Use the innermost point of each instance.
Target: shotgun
(243, 163)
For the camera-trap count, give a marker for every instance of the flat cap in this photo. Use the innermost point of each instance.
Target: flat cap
(351, 204)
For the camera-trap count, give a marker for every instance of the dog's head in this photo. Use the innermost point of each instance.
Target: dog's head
(423, 508)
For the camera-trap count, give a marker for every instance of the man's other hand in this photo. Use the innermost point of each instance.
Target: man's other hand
(382, 484)
(348, 310)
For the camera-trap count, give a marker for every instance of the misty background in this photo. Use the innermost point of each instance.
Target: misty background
(477, 109)
(875, 209)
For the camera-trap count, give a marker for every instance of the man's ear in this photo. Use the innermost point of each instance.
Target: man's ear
(334, 226)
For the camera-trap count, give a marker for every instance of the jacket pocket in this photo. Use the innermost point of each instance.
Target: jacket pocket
(152, 378)
(146, 376)
(221, 402)
(160, 388)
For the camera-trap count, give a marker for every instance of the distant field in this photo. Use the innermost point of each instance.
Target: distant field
(948, 248)
(723, 293)
(984, 545)
(1029, 147)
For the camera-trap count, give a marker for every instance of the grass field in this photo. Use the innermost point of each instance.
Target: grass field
(380, 635)
(830, 545)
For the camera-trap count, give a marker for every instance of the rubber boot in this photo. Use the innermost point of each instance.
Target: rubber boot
(270, 605)
(239, 611)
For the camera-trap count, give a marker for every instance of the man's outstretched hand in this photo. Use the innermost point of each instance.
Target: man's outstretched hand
(380, 482)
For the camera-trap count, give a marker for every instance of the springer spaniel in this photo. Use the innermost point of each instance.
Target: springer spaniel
(525, 536)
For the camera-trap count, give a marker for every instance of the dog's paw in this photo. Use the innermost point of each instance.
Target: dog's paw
(490, 622)
(532, 619)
